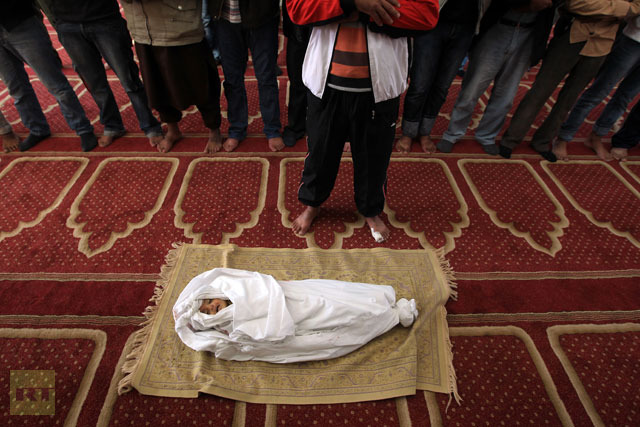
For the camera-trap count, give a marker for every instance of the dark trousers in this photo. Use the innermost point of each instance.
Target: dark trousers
(629, 135)
(369, 127)
(562, 59)
(297, 108)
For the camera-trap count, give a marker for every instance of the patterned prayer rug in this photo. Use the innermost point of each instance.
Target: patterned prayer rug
(394, 364)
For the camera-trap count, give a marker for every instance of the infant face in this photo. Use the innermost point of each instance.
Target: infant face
(212, 306)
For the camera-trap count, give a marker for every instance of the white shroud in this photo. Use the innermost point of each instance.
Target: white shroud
(286, 321)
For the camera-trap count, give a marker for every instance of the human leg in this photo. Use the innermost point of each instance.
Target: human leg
(31, 41)
(580, 75)
(505, 87)
(297, 108)
(263, 42)
(114, 44)
(558, 61)
(210, 111)
(233, 51)
(79, 42)
(371, 137)
(624, 57)
(627, 90)
(485, 61)
(171, 116)
(627, 137)
(326, 135)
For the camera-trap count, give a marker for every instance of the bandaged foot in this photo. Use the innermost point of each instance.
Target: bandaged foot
(407, 311)
(379, 230)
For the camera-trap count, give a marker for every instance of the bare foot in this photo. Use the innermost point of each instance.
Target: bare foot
(377, 225)
(10, 142)
(595, 143)
(106, 140)
(347, 147)
(231, 144)
(619, 154)
(560, 150)
(303, 222)
(173, 135)
(214, 144)
(427, 144)
(404, 144)
(155, 140)
(276, 144)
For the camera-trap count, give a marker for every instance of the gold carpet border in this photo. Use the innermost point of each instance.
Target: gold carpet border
(97, 336)
(83, 245)
(541, 367)
(558, 227)
(450, 236)
(255, 214)
(69, 319)
(554, 333)
(606, 225)
(310, 235)
(543, 275)
(63, 192)
(625, 165)
(112, 393)
(562, 316)
(80, 277)
(143, 336)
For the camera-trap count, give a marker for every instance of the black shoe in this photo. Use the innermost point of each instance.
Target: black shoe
(505, 152)
(88, 141)
(444, 146)
(491, 149)
(31, 141)
(548, 155)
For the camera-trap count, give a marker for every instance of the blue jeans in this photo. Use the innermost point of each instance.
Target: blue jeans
(502, 55)
(622, 63)
(87, 44)
(29, 43)
(437, 55)
(629, 135)
(234, 42)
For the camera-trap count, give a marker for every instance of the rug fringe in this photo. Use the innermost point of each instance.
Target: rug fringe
(141, 336)
(449, 275)
(453, 288)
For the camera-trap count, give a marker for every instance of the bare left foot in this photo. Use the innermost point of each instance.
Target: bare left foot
(173, 135)
(595, 143)
(214, 144)
(231, 144)
(10, 142)
(303, 222)
(106, 140)
(427, 144)
(404, 144)
(560, 150)
(347, 147)
(276, 144)
(378, 226)
(619, 154)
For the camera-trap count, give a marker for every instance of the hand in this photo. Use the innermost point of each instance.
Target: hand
(381, 11)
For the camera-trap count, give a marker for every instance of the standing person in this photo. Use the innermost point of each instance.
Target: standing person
(90, 31)
(513, 38)
(297, 41)
(355, 73)
(24, 39)
(177, 66)
(250, 25)
(575, 55)
(627, 137)
(10, 141)
(437, 56)
(623, 63)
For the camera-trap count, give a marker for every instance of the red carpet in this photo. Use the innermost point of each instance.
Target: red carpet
(545, 329)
